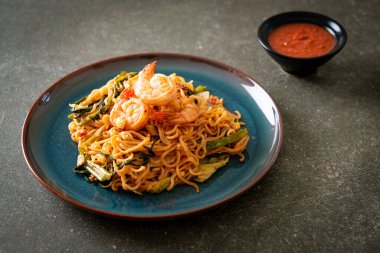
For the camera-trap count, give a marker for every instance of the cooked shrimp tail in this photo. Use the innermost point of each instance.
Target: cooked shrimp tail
(149, 70)
(187, 115)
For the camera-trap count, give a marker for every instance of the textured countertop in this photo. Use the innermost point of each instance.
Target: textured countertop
(323, 193)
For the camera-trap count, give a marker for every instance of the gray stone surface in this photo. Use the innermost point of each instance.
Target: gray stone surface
(323, 193)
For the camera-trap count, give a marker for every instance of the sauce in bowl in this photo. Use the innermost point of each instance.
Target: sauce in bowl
(302, 40)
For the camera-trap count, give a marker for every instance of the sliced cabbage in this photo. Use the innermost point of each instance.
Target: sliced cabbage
(209, 166)
(160, 185)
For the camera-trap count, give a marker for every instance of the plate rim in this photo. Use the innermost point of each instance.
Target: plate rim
(146, 55)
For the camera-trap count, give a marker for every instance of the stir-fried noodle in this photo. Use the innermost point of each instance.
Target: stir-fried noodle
(147, 132)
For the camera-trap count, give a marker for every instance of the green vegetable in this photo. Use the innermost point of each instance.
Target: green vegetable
(107, 156)
(102, 108)
(86, 143)
(99, 172)
(108, 165)
(118, 87)
(71, 116)
(124, 76)
(77, 108)
(80, 100)
(105, 184)
(89, 117)
(200, 89)
(227, 140)
(210, 166)
(103, 174)
(160, 185)
(82, 170)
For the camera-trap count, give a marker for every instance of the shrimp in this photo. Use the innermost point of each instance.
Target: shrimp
(187, 115)
(129, 114)
(154, 89)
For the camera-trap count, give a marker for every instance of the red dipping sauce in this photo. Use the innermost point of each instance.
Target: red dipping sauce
(301, 40)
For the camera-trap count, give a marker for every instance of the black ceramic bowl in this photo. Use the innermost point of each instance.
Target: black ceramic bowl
(301, 66)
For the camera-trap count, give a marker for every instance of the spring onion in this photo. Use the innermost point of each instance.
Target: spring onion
(124, 76)
(80, 100)
(102, 108)
(227, 140)
(86, 143)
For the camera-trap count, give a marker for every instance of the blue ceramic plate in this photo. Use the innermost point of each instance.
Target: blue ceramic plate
(51, 155)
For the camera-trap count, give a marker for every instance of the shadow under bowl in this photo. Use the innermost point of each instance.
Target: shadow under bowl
(295, 65)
